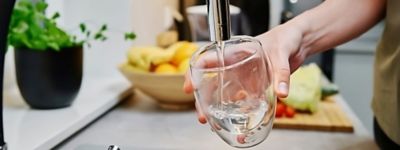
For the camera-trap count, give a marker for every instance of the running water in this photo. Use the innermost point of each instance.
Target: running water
(221, 60)
(239, 117)
(240, 122)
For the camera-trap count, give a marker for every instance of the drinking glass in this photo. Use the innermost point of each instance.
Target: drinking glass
(233, 89)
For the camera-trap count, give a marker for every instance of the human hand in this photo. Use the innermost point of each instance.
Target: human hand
(283, 46)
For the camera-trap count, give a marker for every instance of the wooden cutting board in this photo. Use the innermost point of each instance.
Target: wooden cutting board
(329, 117)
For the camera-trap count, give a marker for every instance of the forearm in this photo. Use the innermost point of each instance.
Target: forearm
(335, 22)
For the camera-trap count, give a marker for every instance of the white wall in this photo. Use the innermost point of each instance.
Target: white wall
(148, 18)
(353, 72)
(275, 12)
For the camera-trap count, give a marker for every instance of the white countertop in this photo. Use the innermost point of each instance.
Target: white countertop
(139, 124)
(27, 128)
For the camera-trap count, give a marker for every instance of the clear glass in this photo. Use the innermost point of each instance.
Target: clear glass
(235, 94)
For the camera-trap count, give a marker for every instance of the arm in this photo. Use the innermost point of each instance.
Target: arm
(331, 23)
(337, 21)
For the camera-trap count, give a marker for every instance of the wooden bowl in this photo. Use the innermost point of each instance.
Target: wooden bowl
(166, 89)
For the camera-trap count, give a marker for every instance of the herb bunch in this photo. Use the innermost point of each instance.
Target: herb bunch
(30, 28)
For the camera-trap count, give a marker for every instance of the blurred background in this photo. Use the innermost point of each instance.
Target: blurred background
(349, 65)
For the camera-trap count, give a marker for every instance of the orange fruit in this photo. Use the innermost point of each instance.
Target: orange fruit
(165, 68)
(184, 65)
(183, 52)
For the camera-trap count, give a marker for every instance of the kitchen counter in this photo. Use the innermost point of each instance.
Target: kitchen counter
(137, 123)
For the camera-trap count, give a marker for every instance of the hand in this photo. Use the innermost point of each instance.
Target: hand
(283, 46)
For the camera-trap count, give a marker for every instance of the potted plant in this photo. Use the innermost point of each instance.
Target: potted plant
(48, 60)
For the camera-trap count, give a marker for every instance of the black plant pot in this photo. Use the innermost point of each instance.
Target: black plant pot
(49, 79)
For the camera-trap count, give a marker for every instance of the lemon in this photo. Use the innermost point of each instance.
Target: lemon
(184, 65)
(166, 68)
(185, 50)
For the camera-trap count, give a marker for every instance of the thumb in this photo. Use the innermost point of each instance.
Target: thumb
(281, 69)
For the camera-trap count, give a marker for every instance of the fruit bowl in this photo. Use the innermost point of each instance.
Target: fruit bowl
(166, 89)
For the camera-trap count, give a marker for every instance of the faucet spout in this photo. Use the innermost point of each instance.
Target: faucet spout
(219, 20)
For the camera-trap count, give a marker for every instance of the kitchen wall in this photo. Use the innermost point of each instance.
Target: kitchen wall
(149, 14)
(145, 17)
(275, 12)
(117, 14)
(354, 73)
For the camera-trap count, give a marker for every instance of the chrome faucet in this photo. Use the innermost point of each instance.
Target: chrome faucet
(219, 20)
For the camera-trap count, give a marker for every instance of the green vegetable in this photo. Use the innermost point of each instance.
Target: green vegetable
(305, 89)
(30, 28)
(329, 90)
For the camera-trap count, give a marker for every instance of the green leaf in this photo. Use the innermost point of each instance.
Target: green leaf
(55, 16)
(54, 46)
(82, 27)
(31, 28)
(130, 36)
(98, 36)
(103, 28)
(88, 34)
(21, 28)
(41, 6)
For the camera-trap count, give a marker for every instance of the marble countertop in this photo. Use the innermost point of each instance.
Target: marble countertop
(138, 123)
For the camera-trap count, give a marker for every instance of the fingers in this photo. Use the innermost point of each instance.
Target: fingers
(188, 88)
(282, 79)
(187, 85)
(241, 139)
(240, 95)
(281, 71)
(279, 56)
(201, 117)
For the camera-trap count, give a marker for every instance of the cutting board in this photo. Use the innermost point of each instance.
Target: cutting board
(329, 117)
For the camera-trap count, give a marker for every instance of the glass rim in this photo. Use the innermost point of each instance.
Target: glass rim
(217, 69)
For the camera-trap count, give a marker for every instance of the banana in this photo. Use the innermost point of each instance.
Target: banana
(141, 57)
(164, 56)
(146, 56)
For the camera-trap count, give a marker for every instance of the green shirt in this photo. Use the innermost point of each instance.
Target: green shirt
(386, 99)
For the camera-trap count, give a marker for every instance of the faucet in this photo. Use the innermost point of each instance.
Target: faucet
(6, 7)
(219, 20)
